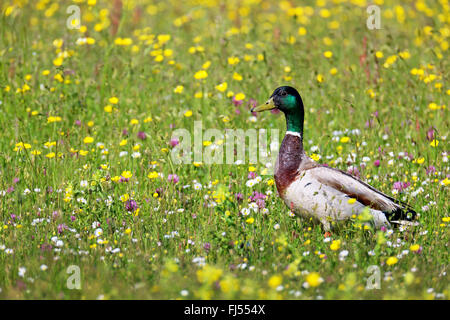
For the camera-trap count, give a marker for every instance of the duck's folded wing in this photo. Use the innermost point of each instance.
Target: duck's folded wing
(362, 192)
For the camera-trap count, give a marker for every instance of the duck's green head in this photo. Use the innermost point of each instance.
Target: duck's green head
(287, 100)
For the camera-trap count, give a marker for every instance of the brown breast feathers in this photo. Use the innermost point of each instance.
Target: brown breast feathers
(288, 162)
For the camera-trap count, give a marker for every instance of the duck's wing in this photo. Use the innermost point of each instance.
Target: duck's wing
(394, 209)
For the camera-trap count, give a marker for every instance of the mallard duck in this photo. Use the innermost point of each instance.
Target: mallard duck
(316, 191)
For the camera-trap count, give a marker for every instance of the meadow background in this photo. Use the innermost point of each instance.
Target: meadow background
(87, 116)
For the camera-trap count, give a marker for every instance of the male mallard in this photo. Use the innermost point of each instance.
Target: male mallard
(314, 190)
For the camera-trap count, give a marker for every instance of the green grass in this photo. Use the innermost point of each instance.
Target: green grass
(160, 245)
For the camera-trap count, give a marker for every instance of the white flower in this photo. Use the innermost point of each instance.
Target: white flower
(84, 184)
(197, 186)
(250, 183)
(95, 224)
(343, 254)
(22, 271)
(245, 211)
(184, 293)
(136, 154)
(123, 153)
(82, 200)
(253, 206)
(277, 226)
(43, 267)
(98, 232)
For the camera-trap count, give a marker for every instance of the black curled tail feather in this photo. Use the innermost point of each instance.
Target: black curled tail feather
(401, 213)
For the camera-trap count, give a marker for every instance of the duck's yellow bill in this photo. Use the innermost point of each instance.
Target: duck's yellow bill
(269, 105)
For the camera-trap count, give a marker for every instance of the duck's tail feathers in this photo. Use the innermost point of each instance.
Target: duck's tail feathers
(403, 215)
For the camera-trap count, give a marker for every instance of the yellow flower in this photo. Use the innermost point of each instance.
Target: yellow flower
(206, 65)
(237, 76)
(433, 106)
(21, 146)
(222, 87)
(379, 54)
(250, 220)
(88, 140)
(333, 71)
(335, 245)
(124, 197)
(391, 261)
(127, 231)
(58, 61)
(127, 174)
(168, 52)
(163, 38)
(123, 142)
(275, 281)
(108, 108)
(351, 201)
(233, 60)
(188, 113)
(178, 89)
(240, 96)
(325, 13)
(389, 61)
(320, 78)
(134, 121)
(113, 100)
(405, 55)
(414, 247)
(421, 160)
(53, 119)
(445, 182)
(153, 175)
(202, 74)
(301, 31)
(328, 54)
(209, 274)
(50, 155)
(314, 279)
(434, 143)
(345, 139)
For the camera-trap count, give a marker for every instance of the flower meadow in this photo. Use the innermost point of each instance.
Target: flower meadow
(88, 105)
